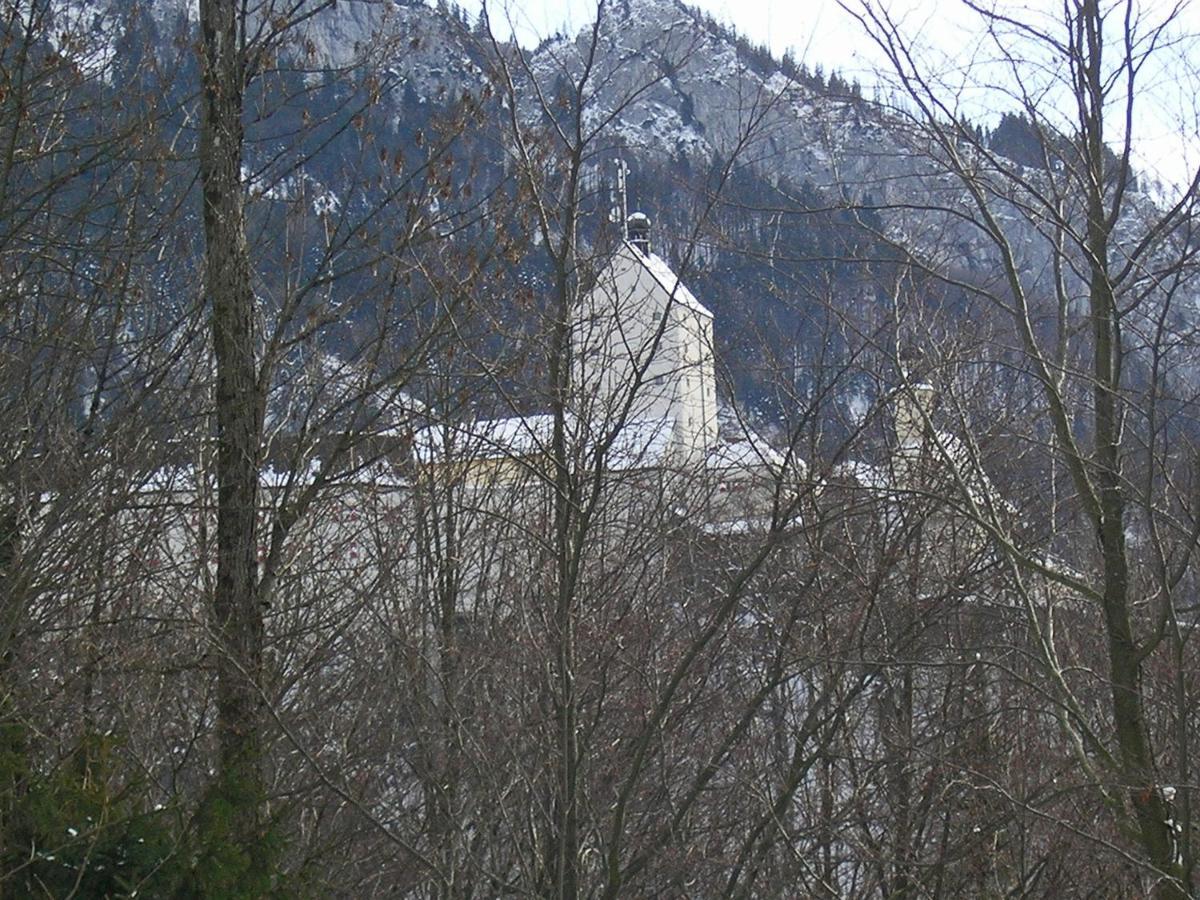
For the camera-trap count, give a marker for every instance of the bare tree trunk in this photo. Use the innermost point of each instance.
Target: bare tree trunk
(1105, 239)
(13, 745)
(898, 713)
(233, 821)
(446, 769)
(1129, 720)
(564, 866)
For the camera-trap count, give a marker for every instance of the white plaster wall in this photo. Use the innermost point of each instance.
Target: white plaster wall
(614, 336)
(696, 408)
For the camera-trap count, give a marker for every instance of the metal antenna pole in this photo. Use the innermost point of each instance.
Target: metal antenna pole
(622, 171)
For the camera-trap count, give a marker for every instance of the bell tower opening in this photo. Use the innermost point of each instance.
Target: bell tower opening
(638, 229)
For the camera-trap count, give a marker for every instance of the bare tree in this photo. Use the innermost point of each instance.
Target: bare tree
(1092, 280)
(92, 332)
(255, 349)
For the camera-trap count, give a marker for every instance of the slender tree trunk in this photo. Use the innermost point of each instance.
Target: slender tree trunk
(14, 749)
(898, 712)
(234, 818)
(446, 767)
(564, 864)
(1135, 747)
(1133, 737)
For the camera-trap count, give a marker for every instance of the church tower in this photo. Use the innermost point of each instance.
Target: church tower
(643, 349)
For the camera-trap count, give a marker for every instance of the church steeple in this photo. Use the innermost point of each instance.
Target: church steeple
(643, 346)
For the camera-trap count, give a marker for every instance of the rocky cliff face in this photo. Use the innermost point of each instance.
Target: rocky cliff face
(665, 82)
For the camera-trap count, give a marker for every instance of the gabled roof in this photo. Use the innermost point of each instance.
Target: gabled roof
(747, 453)
(641, 443)
(662, 274)
(518, 436)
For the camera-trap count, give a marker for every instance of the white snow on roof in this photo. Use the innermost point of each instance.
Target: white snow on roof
(276, 479)
(748, 452)
(668, 280)
(640, 443)
(865, 474)
(169, 479)
(734, 526)
(181, 478)
(517, 436)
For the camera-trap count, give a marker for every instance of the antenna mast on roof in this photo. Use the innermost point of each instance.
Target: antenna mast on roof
(623, 198)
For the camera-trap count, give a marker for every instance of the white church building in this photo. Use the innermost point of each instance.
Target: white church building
(643, 351)
(644, 384)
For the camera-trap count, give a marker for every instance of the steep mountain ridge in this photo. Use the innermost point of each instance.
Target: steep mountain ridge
(669, 82)
(669, 91)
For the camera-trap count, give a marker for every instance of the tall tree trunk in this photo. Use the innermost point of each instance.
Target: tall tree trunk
(1128, 702)
(564, 864)
(1136, 751)
(898, 715)
(14, 748)
(233, 822)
